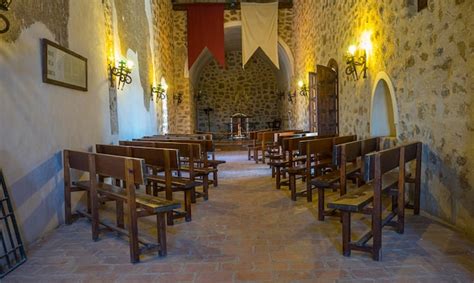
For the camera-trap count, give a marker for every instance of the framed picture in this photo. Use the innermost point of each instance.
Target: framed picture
(63, 67)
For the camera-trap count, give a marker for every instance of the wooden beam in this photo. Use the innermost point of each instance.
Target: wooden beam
(181, 6)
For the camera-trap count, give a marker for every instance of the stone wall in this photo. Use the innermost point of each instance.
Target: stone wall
(428, 56)
(233, 90)
(182, 118)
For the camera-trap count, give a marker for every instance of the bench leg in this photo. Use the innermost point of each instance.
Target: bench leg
(377, 231)
(214, 175)
(119, 212)
(193, 195)
(321, 204)
(67, 204)
(346, 233)
(161, 230)
(292, 184)
(309, 191)
(273, 171)
(249, 153)
(255, 155)
(416, 207)
(133, 234)
(401, 210)
(187, 204)
(206, 186)
(278, 178)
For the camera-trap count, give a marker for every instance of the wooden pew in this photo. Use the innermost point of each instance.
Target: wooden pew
(190, 152)
(380, 178)
(207, 146)
(129, 170)
(254, 145)
(346, 158)
(159, 160)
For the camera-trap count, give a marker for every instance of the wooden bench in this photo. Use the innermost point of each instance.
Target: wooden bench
(129, 170)
(159, 160)
(207, 146)
(346, 158)
(384, 172)
(189, 153)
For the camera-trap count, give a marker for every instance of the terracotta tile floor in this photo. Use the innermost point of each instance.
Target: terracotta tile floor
(248, 231)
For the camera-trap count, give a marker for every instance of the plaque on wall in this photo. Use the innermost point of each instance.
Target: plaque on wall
(63, 67)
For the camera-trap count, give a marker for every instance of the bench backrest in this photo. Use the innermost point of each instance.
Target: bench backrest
(152, 156)
(355, 149)
(187, 150)
(206, 145)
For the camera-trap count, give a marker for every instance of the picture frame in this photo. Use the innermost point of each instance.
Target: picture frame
(63, 67)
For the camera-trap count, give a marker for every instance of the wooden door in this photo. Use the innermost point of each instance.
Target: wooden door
(327, 101)
(313, 110)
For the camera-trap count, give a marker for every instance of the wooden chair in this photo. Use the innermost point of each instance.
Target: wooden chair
(380, 178)
(129, 170)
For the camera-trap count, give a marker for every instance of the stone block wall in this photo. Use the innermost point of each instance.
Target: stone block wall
(428, 56)
(233, 90)
(182, 118)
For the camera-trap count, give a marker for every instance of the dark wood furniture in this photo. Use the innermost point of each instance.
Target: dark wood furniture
(130, 172)
(384, 172)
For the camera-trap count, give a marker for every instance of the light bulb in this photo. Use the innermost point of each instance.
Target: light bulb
(129, 64)
(352, 50)
(300, 84)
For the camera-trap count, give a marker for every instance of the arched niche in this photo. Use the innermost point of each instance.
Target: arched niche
(383, 110)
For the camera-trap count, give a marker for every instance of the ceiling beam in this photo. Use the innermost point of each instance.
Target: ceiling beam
(181, 6)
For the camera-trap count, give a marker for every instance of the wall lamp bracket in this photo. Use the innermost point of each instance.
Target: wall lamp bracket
(122, 73)
(178, 98)
(354, 62)
(4, 6)
(159, 91)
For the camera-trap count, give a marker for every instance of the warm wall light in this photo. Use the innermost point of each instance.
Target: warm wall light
(121, 71)
(357, 57)
(4, 4)
(178, 98)
(159, 91)
(302, 88)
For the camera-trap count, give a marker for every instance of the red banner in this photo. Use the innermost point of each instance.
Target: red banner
(206, 29)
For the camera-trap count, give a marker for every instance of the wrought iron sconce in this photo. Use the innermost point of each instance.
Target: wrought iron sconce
(291, 97)
(303, 88)
(159, 91)
(353, 61)
(4, 5)
(122, 72)
(178, 98)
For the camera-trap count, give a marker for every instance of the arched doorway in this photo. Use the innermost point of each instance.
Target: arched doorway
(384, 111)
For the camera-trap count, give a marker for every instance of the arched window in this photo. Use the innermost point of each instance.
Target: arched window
(384, 112)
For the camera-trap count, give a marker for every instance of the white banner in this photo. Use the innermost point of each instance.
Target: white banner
(260, 29)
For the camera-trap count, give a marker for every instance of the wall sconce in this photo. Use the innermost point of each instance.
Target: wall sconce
(303, 88)
(159, 91)
(4, 5)
(122, 72)
(291, 97)
(178, 98)
(357, 57)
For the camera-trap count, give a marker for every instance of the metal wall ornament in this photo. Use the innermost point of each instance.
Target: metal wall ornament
(159, 91)
(4, 6)
(354, 61)
(121, 72)
(303, 88)
(178, 98)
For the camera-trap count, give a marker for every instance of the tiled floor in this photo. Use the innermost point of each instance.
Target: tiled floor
(248, 231)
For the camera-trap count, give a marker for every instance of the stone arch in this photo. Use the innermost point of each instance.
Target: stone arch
(384, 109)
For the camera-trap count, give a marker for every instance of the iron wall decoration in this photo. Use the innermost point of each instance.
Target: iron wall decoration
(354, 61)
(121, 72)
(4, 6)
(303, 88)
(63, 67)
(178, 98)
(159, 91)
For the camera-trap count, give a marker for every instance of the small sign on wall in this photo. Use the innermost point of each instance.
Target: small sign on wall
(63, 67)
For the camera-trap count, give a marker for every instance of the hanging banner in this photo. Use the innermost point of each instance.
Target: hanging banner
(206, 29)
(260, 29)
